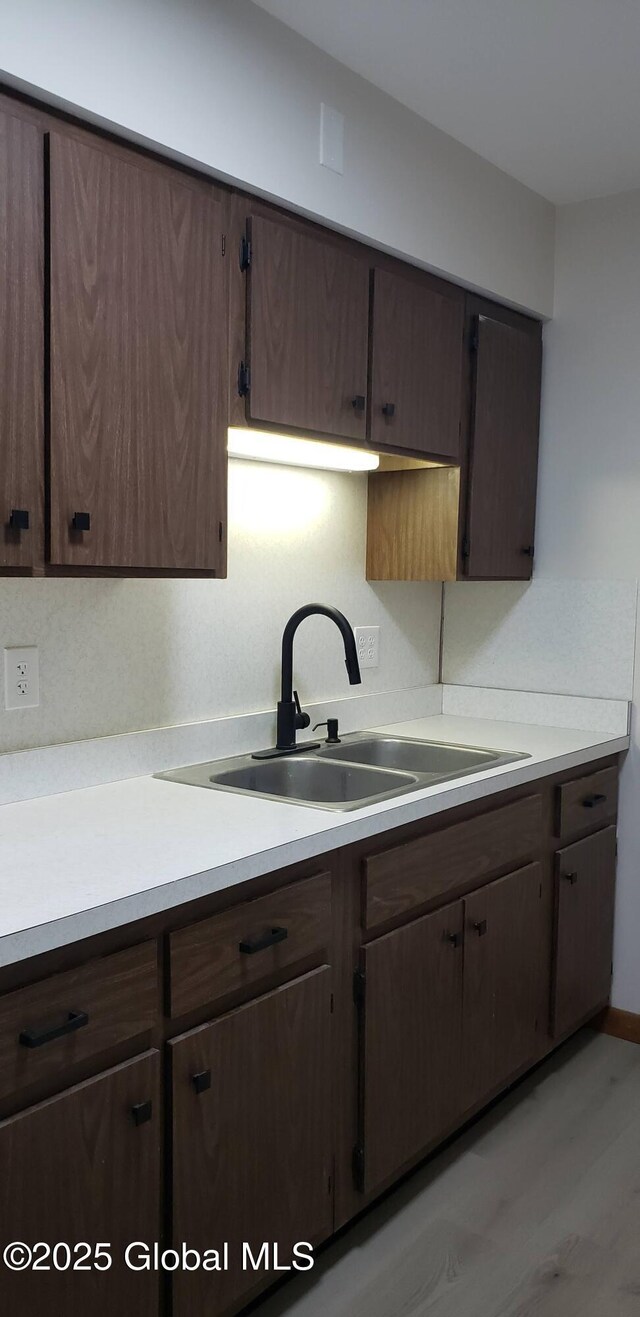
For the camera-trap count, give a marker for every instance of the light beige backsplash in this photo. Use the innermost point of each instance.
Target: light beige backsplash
(123, 655)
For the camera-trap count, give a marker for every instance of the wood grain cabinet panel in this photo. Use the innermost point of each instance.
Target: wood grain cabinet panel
(21, 343)
(250, 943)
(252, 1138)
(416, 365)
(410, 1042)
(450, 860)
(585, 890)
(307, 327)
(504, 451)
(138, 364)
(84, 1168)
(586, 802)
(56, 1023)
(507, 976)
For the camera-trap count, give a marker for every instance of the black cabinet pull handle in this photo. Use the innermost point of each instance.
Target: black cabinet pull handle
(202, 1081)
(142, 1112)
(571, 878)
(38, 1037)
(454, 938)
(19, 519)
(81, 521)
(597, 798)
(249, 946)
(388, 409)
(528, 550)
(480, 927)
(358, 403)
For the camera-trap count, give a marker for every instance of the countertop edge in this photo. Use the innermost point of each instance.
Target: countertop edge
(26, 943)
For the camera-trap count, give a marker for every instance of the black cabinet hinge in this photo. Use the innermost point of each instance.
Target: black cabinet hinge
(224, 244)
(358, 986)
(244, 379)
(473, 341)
(220, 529)
(465, 547)
(357, 1162)
(245, 254)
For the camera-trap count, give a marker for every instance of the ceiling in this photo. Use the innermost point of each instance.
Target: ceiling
(548, 90)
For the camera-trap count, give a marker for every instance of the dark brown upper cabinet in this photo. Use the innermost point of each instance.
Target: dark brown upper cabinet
(503, 457)
(138, 363)
(417, 346)
(306, 331)
(21, 343)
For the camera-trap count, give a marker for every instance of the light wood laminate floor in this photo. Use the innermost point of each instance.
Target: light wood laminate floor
(533, 1212)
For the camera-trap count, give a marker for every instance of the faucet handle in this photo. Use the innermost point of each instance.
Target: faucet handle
(302, 719)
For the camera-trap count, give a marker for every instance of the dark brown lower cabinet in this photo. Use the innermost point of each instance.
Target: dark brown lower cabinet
(410, 1040)
(506, 979)
(585, 886)
(83, 1169)
(252, 1140)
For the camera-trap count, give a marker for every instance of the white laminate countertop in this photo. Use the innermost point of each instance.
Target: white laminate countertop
(78, 863)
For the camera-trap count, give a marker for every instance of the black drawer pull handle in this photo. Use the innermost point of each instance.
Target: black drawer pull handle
(81, 521)
(358, 403)
(142, 1112)
(37, 1037)
(249, 946)
(388, 409)
(591, 801)
(202, 1081)
(454, 938)
(480, 927)
(597, 798)
(19, 519)
(571, 878)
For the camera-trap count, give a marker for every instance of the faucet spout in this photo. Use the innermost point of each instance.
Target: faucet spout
(289, 715)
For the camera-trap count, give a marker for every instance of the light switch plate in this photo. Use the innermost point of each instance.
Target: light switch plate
(21, 677)
(368, 646)
(332, 138)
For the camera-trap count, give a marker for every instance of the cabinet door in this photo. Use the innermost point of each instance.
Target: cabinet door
(410, 1044)
(416, 381)
(252, 1153)
(307, 326)
(504, 451)
(138, 364)
(21, 343)
(585, 889)
(507, 974)
(79, 1169)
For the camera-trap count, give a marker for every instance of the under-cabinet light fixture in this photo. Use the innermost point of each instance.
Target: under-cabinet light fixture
(288, 450)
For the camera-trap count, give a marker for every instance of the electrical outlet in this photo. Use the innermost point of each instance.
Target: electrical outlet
(368, 646)
(21, 678)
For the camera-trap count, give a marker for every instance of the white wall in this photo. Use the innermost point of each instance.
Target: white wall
(118, 656)
(589, 483)
(223, 84)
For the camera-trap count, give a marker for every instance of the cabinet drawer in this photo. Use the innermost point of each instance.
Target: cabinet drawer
(450, 861)
(64, 1019)
(586, 802)
(248, 944)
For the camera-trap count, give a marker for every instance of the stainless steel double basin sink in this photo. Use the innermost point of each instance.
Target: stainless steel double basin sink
(363, 768)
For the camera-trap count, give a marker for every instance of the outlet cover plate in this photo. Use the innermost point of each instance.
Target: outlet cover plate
(368, 646)
(21, 677)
